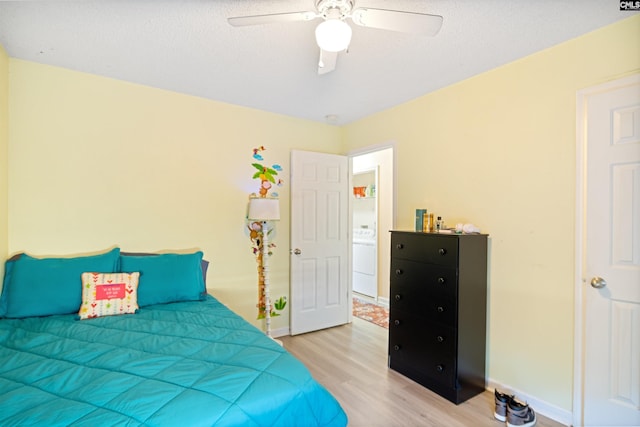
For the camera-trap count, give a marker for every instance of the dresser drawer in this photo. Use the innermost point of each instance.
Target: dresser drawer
(412, 298)
(438, 338)
(436, 249)
(437, 280)
(421, 349)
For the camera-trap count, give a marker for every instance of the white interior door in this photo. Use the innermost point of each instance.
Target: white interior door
(319, 241)
(611, 270)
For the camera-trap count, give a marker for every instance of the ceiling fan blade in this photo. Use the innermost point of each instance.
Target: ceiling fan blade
(241, 21)
(327, 62)
(395, 20)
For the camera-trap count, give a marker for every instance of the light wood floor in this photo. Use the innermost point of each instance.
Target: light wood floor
(351, 362)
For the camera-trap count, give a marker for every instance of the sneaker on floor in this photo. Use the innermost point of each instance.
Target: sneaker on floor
(502, 399)
(520, 414)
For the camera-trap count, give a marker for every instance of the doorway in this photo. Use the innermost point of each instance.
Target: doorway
(364, 249)
(372, 217)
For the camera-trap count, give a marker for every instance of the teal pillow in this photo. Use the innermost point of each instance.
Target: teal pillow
(8, 268)
(47, 286)
(166, 278)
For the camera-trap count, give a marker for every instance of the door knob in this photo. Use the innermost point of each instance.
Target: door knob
(296, 251)
(598, 282)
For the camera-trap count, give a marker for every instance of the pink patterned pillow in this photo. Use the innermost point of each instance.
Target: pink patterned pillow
(108, 294)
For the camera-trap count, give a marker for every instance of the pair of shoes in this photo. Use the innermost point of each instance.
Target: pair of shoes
(515, 413)
(502, 400)
(520, 414)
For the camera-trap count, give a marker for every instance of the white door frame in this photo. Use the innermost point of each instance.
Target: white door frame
(579, 285)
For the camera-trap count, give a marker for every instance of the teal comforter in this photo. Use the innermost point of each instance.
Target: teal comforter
(180, 364)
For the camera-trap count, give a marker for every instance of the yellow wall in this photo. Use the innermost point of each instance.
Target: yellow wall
(499, 150)
(4, 147)
(97, 162)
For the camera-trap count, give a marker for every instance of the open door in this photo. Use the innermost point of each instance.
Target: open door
(319, 241)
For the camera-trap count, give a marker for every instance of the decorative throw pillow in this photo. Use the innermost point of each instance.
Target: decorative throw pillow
(108, 294)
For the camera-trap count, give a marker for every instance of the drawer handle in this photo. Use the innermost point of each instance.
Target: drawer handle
(440, 309)
(440, 368)
(396, 347)
(396, 322)
(442, 251)
(400, 246)
(441, 280)
(399, 272)
(440, 338)
(398, 297)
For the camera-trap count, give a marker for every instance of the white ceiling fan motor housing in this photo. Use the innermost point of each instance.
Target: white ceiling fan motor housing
(325, 7)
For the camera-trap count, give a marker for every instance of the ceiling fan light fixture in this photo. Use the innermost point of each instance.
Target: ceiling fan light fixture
(333, 35)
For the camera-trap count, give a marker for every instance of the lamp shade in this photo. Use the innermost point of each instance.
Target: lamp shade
(333, 35)
(264, 209)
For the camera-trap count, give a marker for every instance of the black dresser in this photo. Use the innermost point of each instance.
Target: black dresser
(438, 299)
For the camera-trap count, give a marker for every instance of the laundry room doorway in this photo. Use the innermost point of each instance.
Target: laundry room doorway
(365, 221)
(372, 217)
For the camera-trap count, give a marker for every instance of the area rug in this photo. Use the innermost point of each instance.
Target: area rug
(376, 314)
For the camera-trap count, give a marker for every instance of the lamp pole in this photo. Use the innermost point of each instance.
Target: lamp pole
(261, 212)
(264, 270)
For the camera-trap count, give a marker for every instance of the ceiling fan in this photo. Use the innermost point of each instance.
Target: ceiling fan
(333, 34)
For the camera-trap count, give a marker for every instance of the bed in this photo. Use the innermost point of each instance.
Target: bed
(181, 360)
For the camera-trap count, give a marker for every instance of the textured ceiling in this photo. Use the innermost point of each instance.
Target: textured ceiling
(188, 47)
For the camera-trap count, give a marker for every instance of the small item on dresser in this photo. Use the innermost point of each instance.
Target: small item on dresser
(420, 219)
(439, 224)
(470, 228)
(431, 223)
(425, 222)
(467, 229)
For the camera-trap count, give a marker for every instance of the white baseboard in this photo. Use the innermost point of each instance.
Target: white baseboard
(539, 406)
(280, 332)
(383, 301)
